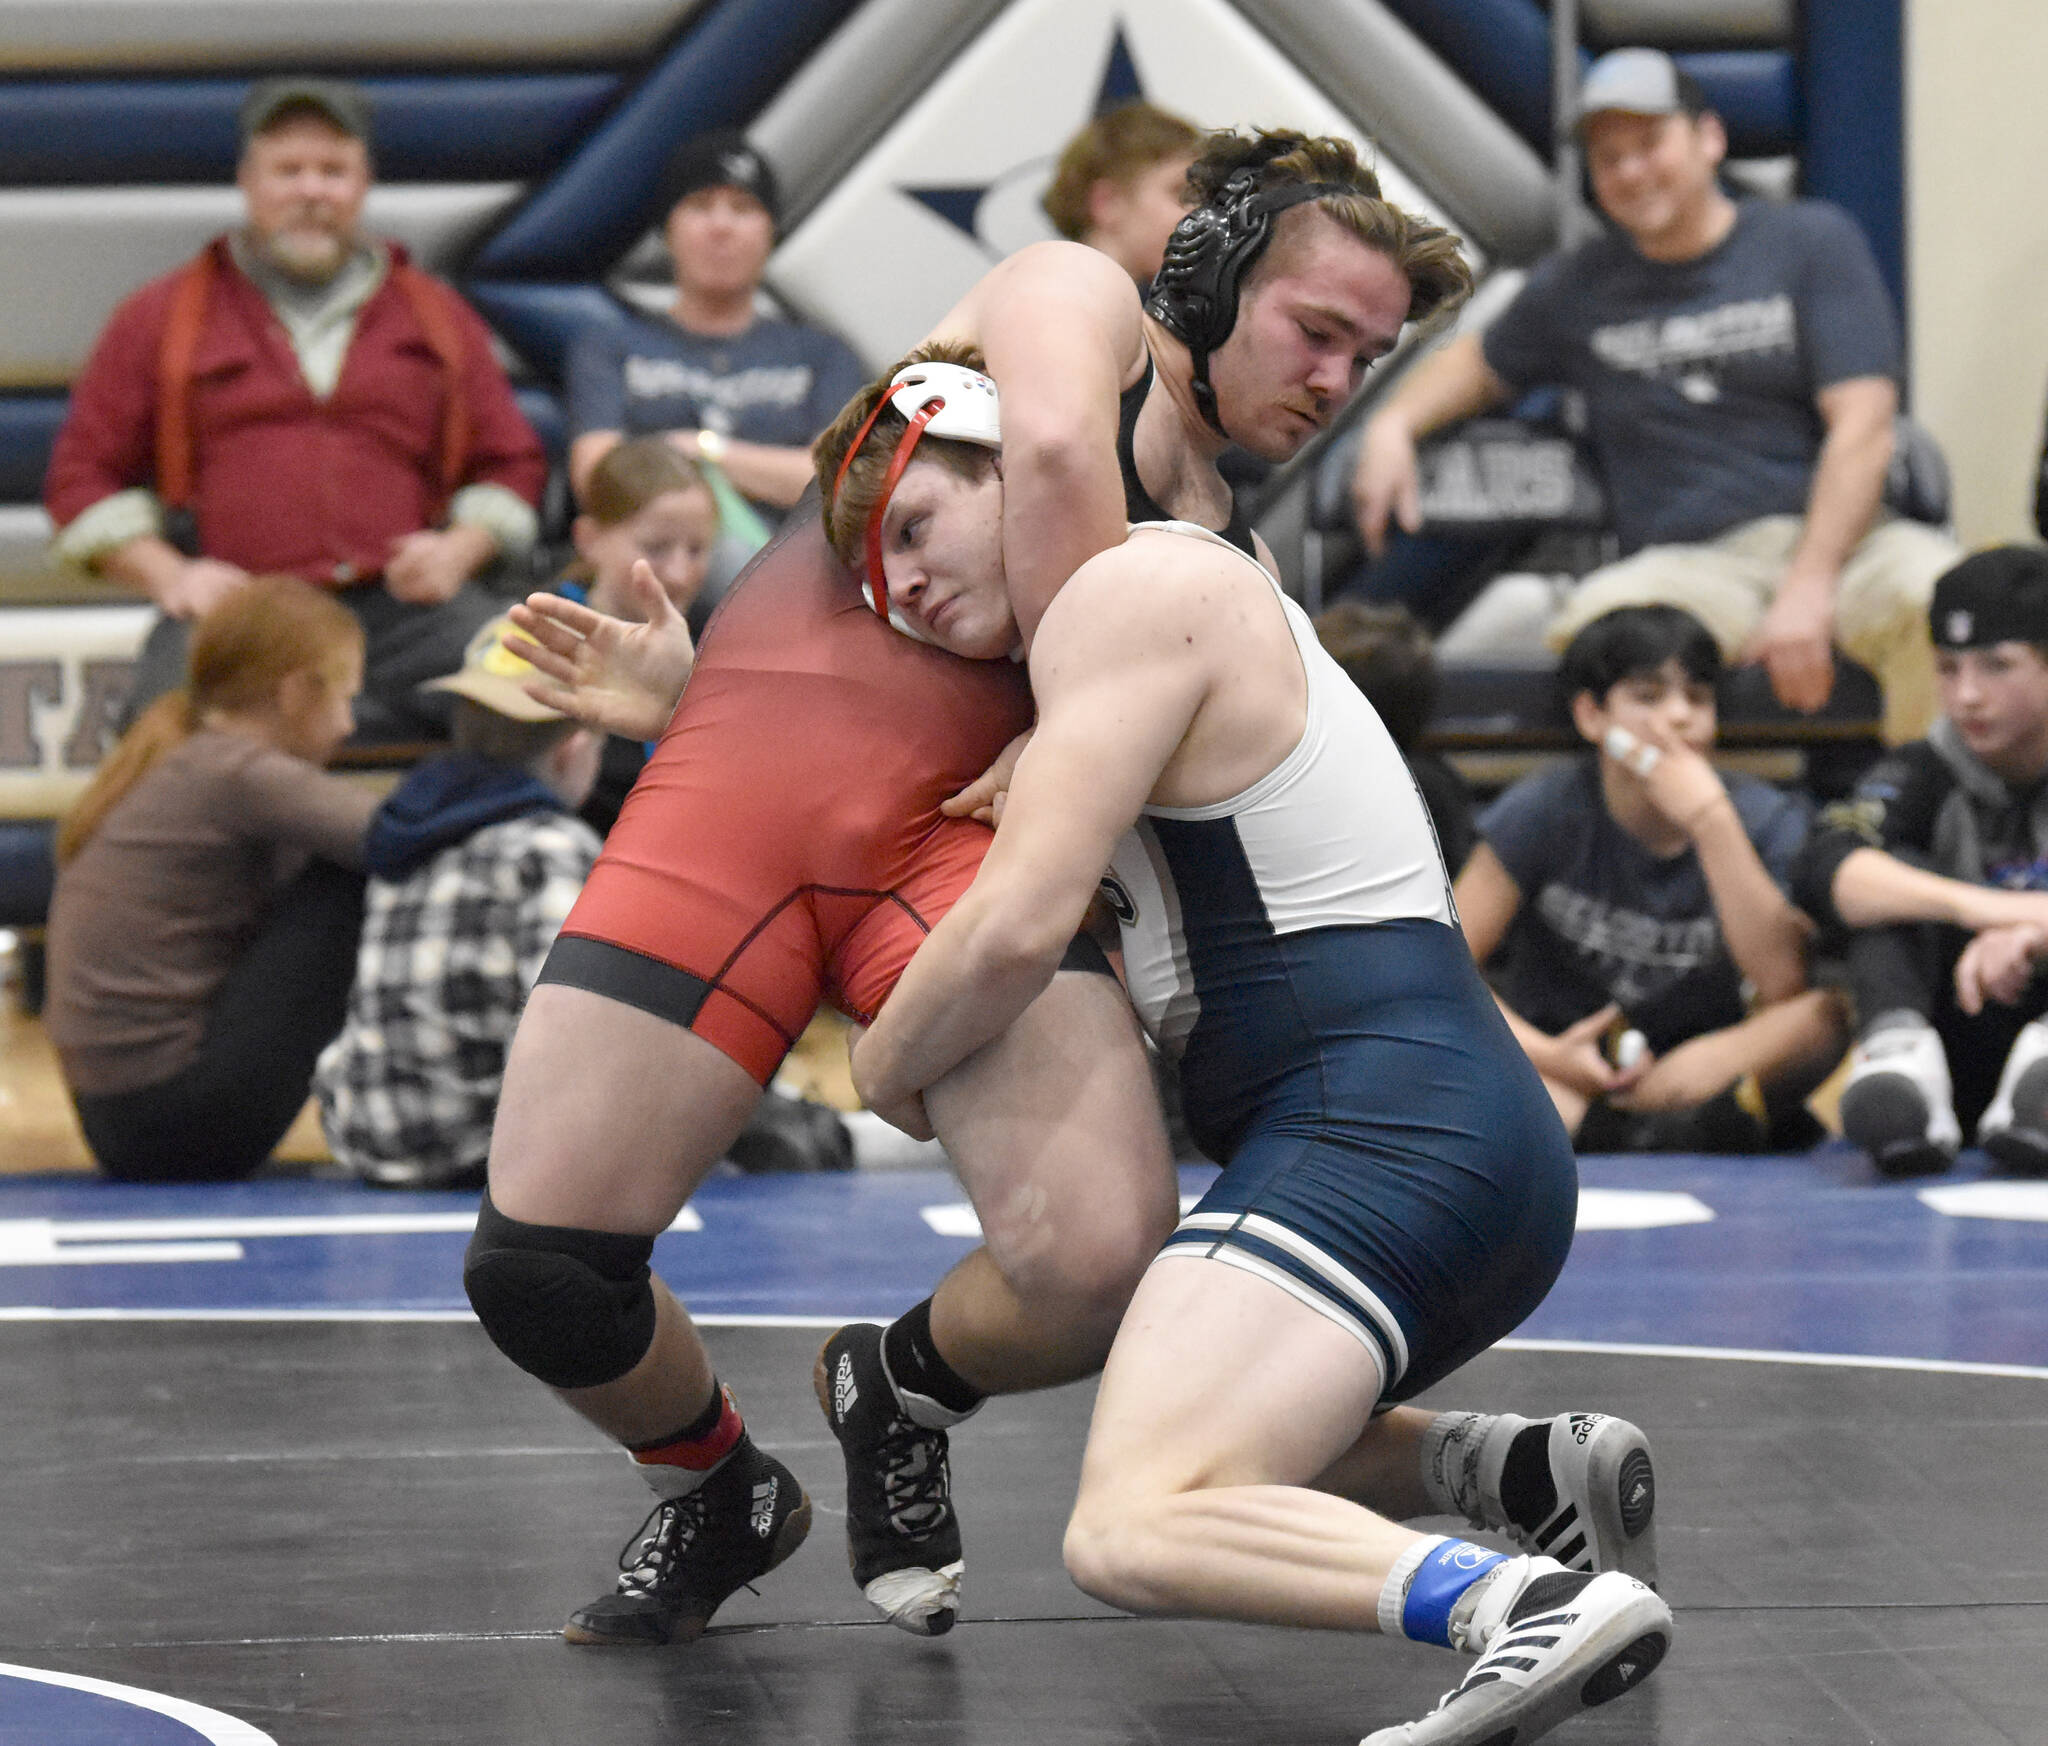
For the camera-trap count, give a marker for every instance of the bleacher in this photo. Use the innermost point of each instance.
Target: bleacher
(1513, 507)
(517, 150)
(1513, 510)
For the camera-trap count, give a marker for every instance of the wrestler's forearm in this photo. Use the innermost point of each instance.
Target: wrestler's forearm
(967, 985)
(1061, 332)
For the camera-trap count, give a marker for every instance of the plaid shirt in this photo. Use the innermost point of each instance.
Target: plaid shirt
(446, 961)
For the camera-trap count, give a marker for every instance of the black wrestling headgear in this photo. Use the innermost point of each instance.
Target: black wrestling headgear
(1194, 294)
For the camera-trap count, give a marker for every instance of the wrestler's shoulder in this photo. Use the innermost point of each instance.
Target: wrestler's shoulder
(798, 562)
(1162, 567)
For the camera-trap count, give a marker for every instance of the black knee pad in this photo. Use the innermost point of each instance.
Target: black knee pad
(574, 1308)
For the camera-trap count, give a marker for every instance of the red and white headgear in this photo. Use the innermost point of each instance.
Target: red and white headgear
(946, 400)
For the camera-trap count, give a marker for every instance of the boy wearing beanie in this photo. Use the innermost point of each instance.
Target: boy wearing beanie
(1933, 876)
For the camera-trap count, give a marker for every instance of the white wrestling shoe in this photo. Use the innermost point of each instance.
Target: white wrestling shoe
(1897, 1103)
(1555, 1642)
(2014, 1130)
(1600, 1510)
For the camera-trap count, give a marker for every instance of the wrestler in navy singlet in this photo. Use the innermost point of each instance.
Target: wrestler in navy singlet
(1391, 1158)
(1139, 504)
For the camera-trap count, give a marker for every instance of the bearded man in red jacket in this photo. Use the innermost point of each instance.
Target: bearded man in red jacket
(300, 398)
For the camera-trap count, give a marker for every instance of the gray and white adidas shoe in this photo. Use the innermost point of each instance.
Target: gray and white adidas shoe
(1897, 1103)
(1553, 1642)
(1600, 1510)
(2014, 1129)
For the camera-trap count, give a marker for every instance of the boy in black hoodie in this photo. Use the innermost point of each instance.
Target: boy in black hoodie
(474, 860)
(1933, 879)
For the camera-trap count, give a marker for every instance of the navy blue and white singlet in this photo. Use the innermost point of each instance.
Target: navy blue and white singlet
(1391, 1158)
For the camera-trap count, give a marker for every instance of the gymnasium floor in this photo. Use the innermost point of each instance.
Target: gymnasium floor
(265, 1481)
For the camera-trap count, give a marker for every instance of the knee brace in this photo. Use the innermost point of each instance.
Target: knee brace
(574, 1308)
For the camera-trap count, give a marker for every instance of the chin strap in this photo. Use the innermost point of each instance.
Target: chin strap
(875, 583)
(1205, 395)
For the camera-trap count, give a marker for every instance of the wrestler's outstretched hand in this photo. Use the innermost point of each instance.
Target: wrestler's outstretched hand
(983, 797)
(607, 672)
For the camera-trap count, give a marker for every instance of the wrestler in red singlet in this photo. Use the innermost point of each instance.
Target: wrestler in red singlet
(784, 845)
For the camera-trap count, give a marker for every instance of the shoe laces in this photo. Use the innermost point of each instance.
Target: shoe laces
(915, 1480)
(659, 1545)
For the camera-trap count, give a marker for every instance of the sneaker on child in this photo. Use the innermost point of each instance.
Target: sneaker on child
(1896, 1102)
(2014, 1129)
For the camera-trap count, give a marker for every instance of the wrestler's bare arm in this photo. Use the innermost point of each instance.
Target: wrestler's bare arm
(1119, 683)
(1063, 335)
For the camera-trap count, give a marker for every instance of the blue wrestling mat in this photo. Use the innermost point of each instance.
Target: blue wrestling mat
(39, 1708)
(1786, 1255)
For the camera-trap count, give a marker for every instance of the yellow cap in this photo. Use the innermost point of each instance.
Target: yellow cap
(490, 674)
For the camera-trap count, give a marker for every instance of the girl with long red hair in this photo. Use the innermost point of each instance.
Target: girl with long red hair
(209, 896)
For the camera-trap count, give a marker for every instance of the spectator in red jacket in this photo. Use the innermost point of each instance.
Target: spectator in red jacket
(300, 398)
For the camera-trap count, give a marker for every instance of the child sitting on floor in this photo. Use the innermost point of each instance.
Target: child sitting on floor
(475, 861)
(1936, 867)
(1627, 905)
(209, 894)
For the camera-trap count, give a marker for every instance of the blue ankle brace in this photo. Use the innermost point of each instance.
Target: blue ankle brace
(1451, 1567)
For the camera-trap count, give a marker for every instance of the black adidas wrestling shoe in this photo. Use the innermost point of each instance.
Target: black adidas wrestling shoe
(695, 1551)
(903, 1539)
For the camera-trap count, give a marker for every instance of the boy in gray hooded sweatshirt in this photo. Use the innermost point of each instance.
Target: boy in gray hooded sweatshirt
(1933, 878)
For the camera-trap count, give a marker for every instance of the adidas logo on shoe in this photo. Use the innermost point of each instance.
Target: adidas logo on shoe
(844, 1393)
(695, 1551)
(1584, 1425)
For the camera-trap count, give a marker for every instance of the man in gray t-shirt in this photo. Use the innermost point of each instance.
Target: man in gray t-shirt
(1739, 362)
(727, 385)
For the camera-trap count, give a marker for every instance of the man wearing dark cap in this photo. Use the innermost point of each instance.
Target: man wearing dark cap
(725, 383)
(1739, 361)
(1934, 874)
(300, 398)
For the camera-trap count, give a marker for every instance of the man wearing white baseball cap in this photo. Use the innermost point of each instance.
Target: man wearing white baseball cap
(1739, 360)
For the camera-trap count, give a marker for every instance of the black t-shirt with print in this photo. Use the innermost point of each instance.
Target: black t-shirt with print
(1700, 375)
(1603, 919)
